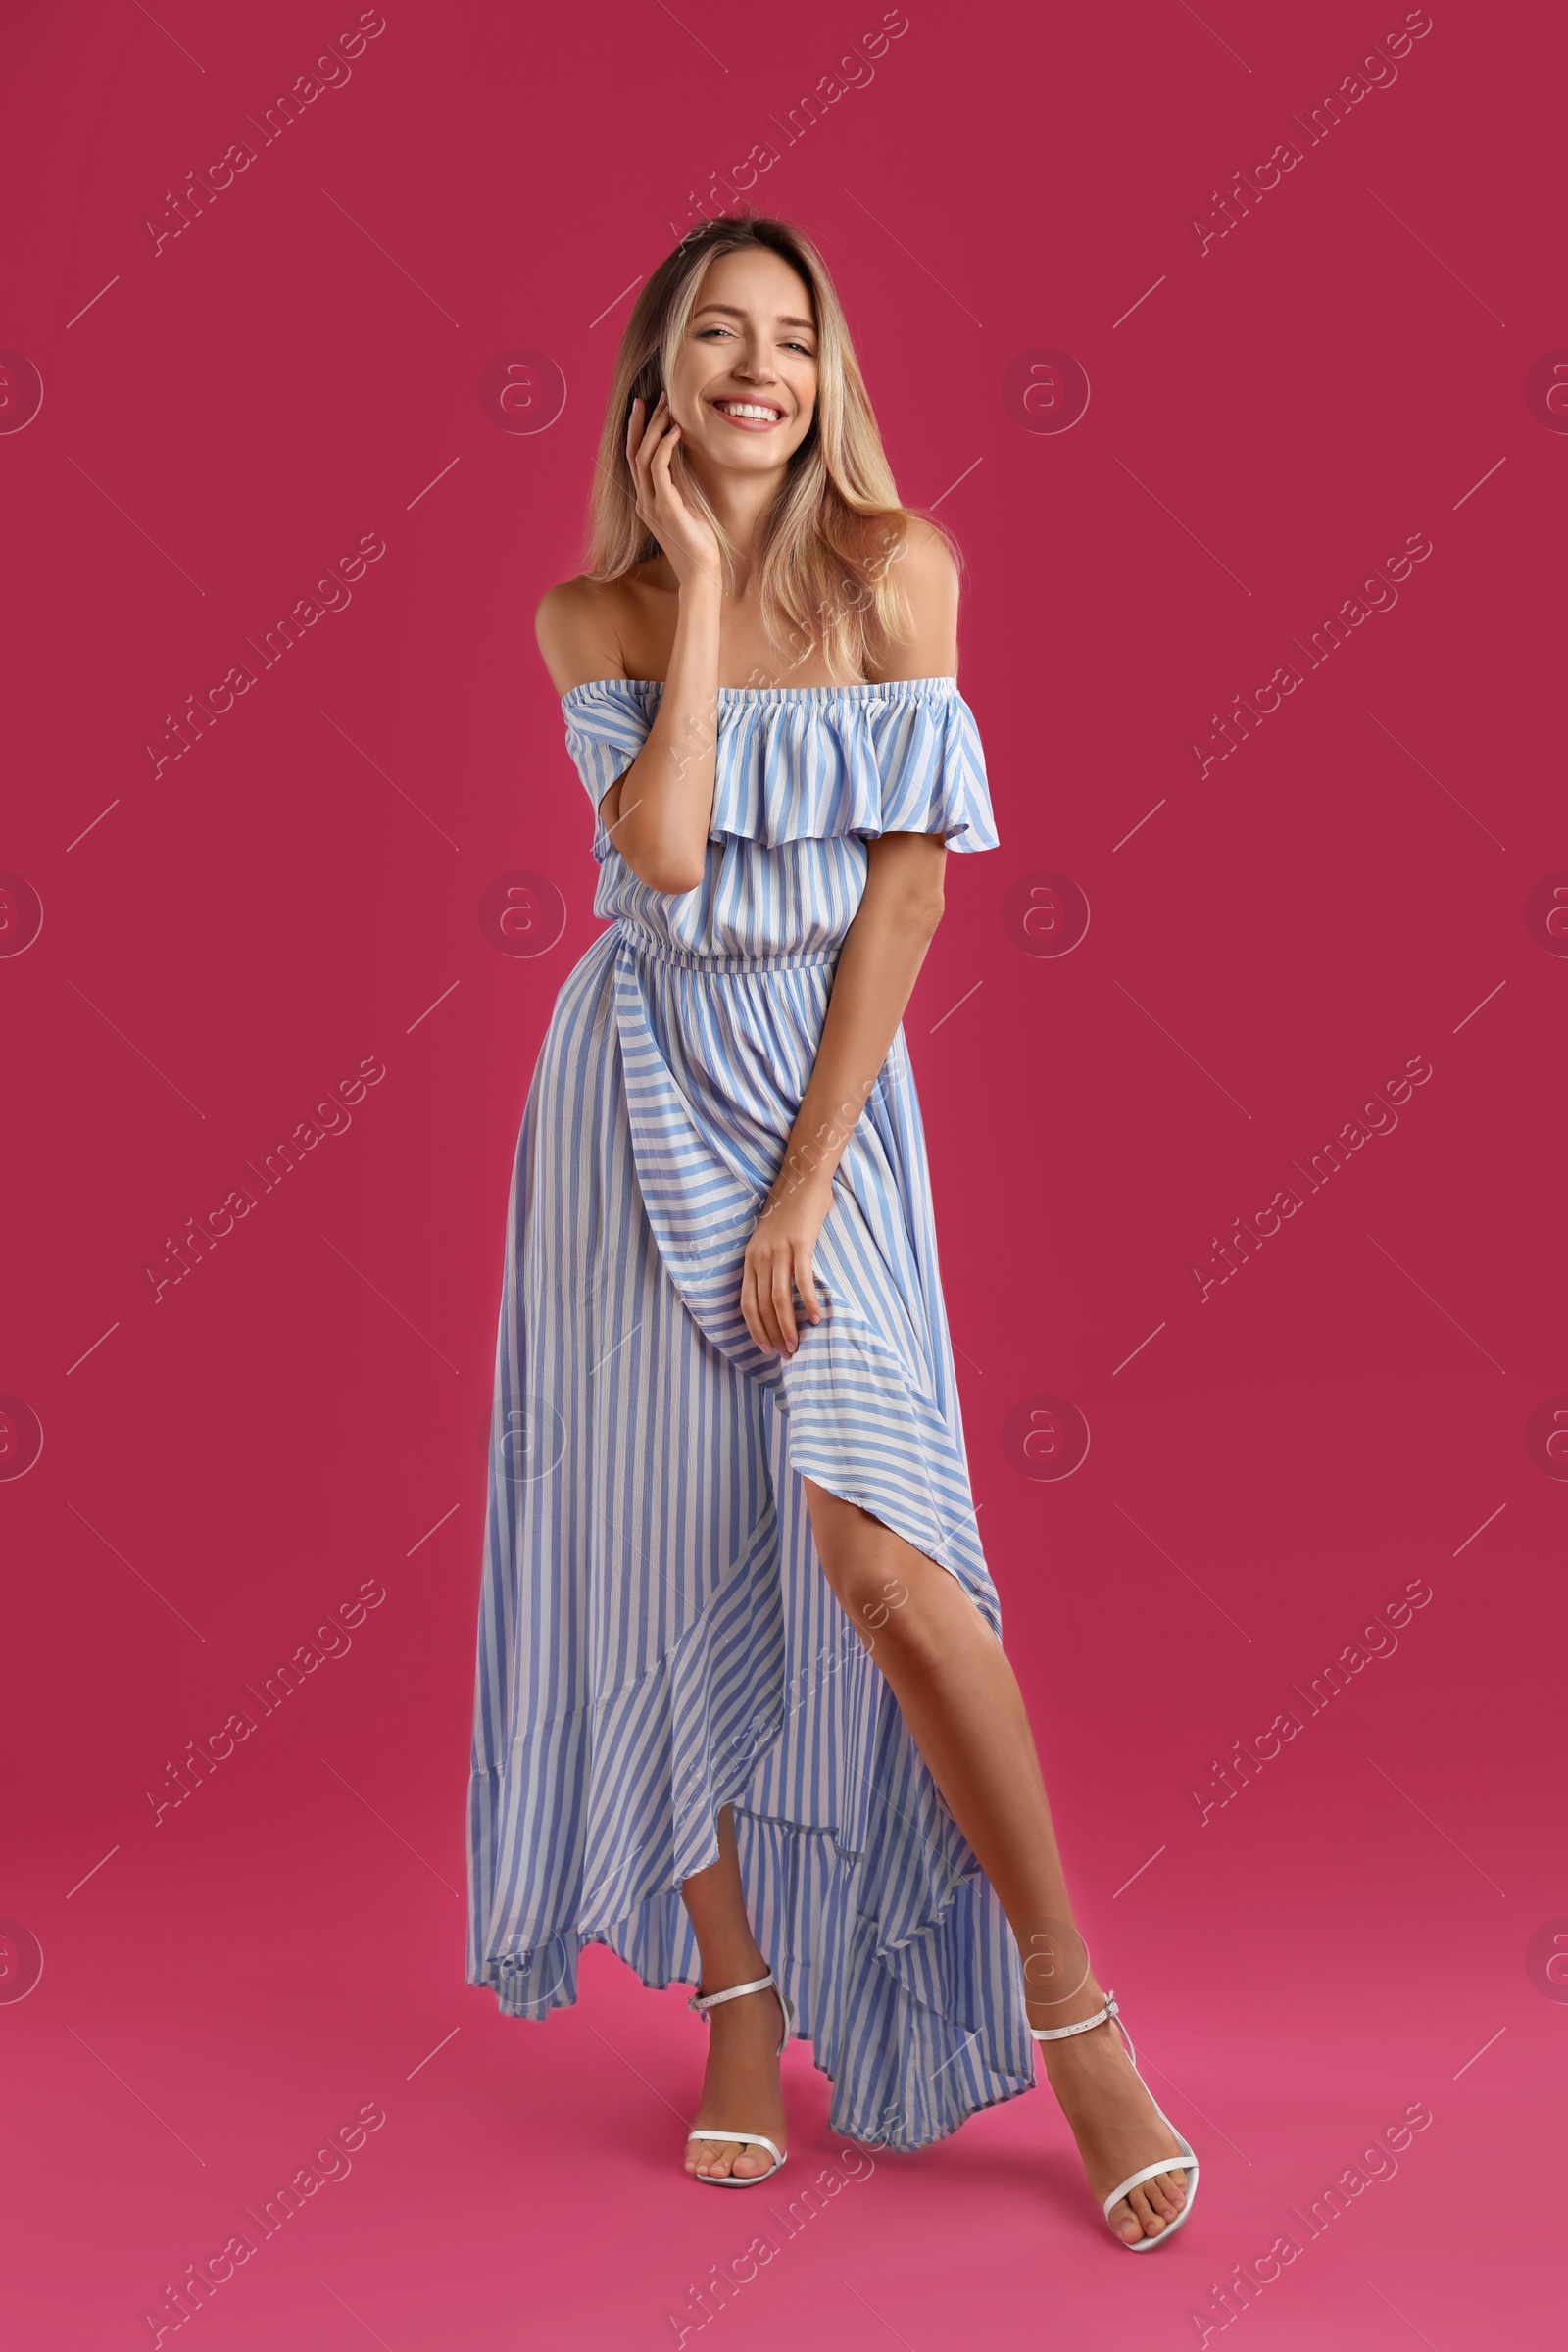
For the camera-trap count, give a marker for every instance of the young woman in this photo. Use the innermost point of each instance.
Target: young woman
(743, 1712)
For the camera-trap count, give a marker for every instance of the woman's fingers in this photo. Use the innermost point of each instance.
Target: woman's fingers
(659, 465)
(659, 503)
(767, 1298)
(783, 1301)
(751, 1309)
(756, 1305)
(767, 1306)
(643, 437)
(661, 507)
(639, 429)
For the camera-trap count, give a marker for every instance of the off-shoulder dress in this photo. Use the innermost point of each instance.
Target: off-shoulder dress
(655, 1636)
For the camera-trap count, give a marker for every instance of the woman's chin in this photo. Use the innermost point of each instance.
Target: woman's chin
(744, 453)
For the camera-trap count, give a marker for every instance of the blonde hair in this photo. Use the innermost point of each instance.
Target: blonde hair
(826, 551)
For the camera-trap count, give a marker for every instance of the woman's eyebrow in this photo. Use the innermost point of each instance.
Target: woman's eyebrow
(730, 312)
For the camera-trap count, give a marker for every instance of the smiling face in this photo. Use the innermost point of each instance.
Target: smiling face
(744, 391)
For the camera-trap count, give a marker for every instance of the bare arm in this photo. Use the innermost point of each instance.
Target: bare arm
(876, 971)
(659, 810)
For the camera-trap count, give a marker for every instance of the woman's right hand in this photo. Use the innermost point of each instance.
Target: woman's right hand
(686, 538)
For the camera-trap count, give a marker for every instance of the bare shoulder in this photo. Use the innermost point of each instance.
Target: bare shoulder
(928, 564)
(929, 579)
(578, 628)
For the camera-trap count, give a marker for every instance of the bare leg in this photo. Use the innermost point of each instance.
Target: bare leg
(741, 2088)
(961, 1699)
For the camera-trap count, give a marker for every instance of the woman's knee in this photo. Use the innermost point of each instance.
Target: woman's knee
(889, 1611)
(870, 1596)
(879, 1581)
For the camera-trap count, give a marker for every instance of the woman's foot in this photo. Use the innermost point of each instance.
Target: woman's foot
(1111, 2116)
(741, 2089)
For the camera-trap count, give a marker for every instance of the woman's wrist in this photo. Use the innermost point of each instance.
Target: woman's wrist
(806, 1176)
(700, 588)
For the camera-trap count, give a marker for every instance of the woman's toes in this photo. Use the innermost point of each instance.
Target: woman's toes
(1171, 2193)
(1125, 2222)
(717, 2159)
(1152, 2220)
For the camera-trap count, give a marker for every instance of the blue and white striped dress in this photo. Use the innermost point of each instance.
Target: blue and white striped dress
(655, 1637)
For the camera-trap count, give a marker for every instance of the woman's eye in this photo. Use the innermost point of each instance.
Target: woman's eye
(703, 333)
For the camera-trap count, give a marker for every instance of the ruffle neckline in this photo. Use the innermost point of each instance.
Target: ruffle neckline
(934, 689)
(807, 763)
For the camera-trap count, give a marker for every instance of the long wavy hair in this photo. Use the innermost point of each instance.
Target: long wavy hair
(828, 549)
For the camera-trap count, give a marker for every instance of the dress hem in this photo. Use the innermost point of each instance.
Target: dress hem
(933, 2065)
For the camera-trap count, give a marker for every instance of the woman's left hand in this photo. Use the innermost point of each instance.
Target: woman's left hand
(778, 1263)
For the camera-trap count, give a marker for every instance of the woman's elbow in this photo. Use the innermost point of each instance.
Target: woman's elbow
(675, 869)
(672, 878)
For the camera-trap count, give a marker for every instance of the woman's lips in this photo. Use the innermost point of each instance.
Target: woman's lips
(748, 424)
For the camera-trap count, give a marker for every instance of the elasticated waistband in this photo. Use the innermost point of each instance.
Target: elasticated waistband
(659, 950)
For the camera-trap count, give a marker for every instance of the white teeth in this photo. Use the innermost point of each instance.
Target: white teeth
(741, 407)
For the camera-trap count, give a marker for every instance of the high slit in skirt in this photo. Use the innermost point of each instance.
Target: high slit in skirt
(657, 1638)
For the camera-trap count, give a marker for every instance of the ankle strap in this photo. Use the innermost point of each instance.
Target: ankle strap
(711, 2000)
(1060, 2032)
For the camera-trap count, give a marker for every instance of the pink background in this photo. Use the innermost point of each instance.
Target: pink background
(304, 1413)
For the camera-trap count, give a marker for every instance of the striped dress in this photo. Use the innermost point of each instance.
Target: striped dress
(655, 1637)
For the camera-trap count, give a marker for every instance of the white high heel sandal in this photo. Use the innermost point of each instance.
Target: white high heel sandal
(1186, 2162)
(701, 2003)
